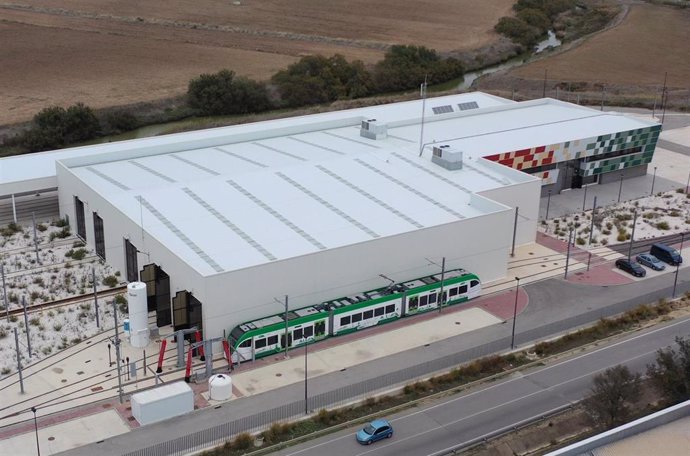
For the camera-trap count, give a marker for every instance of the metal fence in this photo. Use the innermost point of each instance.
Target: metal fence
(222, 432)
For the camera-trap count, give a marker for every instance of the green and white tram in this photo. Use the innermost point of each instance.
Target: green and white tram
(266, 336)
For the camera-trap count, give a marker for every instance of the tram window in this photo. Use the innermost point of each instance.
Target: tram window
(345, 321)
(272, 340)
(474, 283)
(414, 303)
(452, 292)
(432, 298)
(463, 289)
(297, 333)
(422, 300)
(308, 331)
(356, 318)
(368, 314)
(378, 311)
(260, 343)
(390, 308)
(246, 344)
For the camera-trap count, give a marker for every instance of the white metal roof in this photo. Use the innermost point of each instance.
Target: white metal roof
(235, 197)
(18, 172)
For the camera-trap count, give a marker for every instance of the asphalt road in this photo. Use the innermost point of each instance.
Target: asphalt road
(440, 426)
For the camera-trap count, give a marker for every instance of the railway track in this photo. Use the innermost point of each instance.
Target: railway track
(67, 301)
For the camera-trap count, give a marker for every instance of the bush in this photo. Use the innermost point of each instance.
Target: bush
(405, 67)
(223, 93)
(55, 127)
(663, 226)
(11, 229)
(580, 241)
(120, 121)
(110, 281)
(60, 223)
(518, 30)
(41, 227)
(243, 441)
(79, 254)
(318, 79)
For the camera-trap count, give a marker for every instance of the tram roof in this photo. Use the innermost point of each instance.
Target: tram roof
(235, 197)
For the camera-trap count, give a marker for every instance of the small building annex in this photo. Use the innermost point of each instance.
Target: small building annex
(220, 223)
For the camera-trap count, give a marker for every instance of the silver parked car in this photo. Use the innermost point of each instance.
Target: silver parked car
(651, 261)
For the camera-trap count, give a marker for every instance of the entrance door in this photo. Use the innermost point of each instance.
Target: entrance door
(157, 292)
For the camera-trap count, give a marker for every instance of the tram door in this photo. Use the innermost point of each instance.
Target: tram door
(289, 340)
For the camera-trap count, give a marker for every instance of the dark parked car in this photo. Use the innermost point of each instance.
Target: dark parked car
(650, 261)
(376, 430)
(631, 267)
(666, 254)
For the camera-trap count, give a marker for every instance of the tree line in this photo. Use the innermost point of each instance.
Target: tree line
(311, 80)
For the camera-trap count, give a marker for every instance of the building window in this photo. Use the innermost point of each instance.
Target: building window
(131, 262)
(99, 235)
(81, 219)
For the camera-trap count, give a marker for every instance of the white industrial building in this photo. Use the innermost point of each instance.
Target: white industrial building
(221, 223)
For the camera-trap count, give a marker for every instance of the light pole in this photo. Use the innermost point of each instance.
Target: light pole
(306, 406)
(675, 280)
(517, 289)
(653, 179)
(687, 185)
(548, 202)
(38, 447)
(632, 236)
(620, 189)
(584, 199)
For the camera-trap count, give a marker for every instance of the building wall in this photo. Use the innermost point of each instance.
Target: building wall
(117, 227)
(480, 245)
(525, 159)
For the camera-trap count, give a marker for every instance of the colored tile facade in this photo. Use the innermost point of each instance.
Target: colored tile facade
(548, 177)
(644, 138)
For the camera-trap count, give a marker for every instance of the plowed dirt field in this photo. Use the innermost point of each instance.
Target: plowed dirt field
(109, 53)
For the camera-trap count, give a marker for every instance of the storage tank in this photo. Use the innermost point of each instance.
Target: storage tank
(220, 387)
(138, 314)
(163, 402)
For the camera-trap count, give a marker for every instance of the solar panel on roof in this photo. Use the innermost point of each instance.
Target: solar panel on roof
(468, 105)
(442, 109)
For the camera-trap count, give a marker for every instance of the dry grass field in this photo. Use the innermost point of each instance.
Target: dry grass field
(118, 53)
(650, 41)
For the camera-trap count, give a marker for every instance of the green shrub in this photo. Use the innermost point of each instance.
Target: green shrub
(79, 254)
(120, 121)
(223, 93)
(60, 223)
(663, 226)
(580, 241)
(55, 127)
(110, 281)
(41, 227)
(518, 30)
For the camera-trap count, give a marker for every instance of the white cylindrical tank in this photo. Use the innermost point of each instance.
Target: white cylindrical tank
(220, 387)
(138, 314)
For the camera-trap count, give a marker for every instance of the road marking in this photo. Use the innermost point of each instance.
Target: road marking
(684, 321)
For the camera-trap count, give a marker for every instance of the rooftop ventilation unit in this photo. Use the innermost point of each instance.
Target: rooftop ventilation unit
(447, 157)
(373, 130)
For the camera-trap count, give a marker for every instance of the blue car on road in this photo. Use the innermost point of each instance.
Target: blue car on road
(651, 261)
(376, 430)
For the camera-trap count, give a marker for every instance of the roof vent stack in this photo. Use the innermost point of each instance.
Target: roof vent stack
(447, 157)
(372, 129)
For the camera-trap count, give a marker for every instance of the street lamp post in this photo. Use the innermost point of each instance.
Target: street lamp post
(675, 280)
(620, 189)
(548, 202)
(517, 289)
(653, 179)
(38, 447)
(306, 403)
